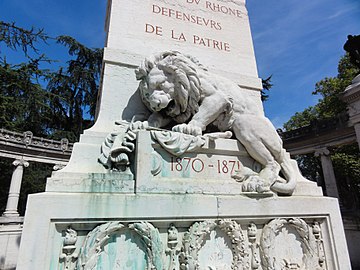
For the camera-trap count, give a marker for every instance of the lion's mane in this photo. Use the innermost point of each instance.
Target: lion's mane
(184, 70)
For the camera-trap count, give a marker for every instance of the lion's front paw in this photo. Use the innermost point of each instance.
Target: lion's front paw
(255, 184)
(188, 129)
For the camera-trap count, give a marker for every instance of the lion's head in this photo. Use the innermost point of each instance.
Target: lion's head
(169, 84)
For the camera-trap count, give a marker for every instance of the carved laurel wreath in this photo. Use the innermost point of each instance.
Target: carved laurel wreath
(98, 238)
(308, 242)
(194, 240)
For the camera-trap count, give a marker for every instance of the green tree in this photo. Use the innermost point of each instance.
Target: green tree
(55, 102)
(329, 90)
(16, 37)
(266, 84)
(24, 105)
(23, 101)
(75, 87)
(302, 119)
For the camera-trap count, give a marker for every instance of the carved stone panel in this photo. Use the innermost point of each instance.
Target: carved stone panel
(225, 244)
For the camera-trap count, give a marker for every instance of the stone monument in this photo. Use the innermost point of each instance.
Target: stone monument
(181, 170)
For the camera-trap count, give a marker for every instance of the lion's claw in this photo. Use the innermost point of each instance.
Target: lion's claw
(139, 125)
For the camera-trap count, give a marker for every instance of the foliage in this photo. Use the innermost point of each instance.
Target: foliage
(310, 167)
(266, 84)
(15, 37)
(329, 89)
(301, 119)
(75, 87)
(24, 105)
(6, 172)
(346, 162)
(34, 181)
(55, 102)
(330, 104)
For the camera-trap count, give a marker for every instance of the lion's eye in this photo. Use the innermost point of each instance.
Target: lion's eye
(161, 85)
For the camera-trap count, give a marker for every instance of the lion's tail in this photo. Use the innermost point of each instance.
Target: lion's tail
(291, 172)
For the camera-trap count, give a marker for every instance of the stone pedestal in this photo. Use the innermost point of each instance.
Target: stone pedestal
(310, 236)
(178, 214)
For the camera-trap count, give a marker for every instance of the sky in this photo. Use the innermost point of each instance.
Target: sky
(297, 42)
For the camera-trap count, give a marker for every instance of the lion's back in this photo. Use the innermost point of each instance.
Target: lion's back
(244, 101)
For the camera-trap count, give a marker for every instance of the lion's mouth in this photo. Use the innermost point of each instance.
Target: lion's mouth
(171, 109)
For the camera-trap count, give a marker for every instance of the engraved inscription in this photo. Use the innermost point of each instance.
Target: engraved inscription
(198, 165)
(191, 17)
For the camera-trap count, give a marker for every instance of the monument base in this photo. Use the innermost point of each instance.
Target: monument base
(163, 231)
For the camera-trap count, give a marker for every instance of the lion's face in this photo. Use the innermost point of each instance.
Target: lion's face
(169, 84)
(160, 92)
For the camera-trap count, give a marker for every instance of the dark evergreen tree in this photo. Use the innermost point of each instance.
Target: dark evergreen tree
(54, 102)
(266, 84)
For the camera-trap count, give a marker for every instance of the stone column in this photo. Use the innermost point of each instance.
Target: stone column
(14, 191)
(328, 171)
(357, 130)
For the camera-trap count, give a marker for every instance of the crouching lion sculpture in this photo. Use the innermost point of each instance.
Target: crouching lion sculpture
(176, 87)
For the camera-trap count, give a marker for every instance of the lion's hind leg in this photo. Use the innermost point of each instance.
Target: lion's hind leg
(262, 145)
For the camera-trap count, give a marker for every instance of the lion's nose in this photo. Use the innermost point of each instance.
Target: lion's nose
(155, 105)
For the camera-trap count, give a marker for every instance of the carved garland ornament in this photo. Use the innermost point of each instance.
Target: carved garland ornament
(195, 238)
(313, 258)
(98, 238)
